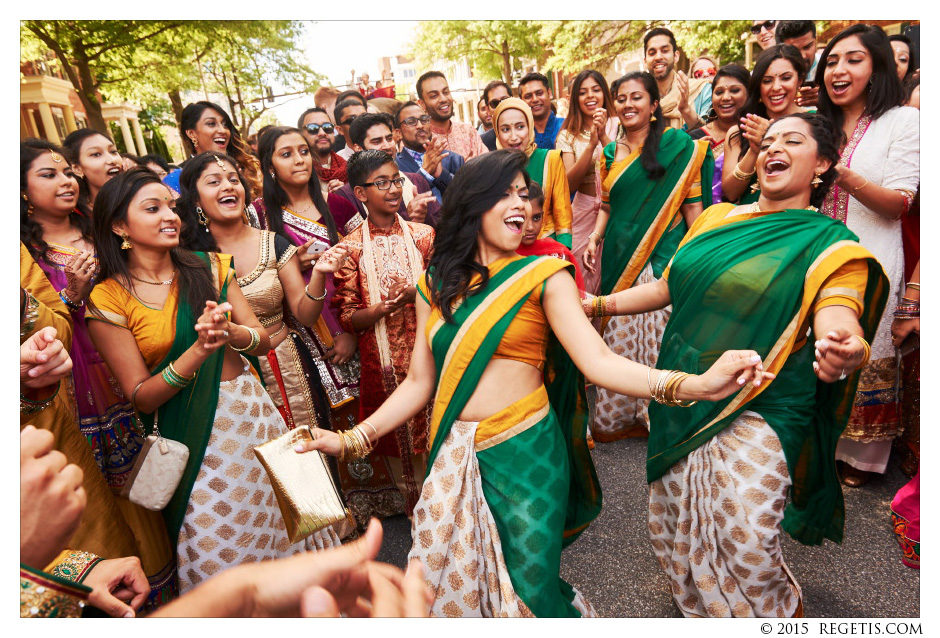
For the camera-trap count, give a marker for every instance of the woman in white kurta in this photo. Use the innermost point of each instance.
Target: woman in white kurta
(878, 178)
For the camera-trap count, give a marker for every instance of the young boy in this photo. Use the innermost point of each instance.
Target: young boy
(532, 245)
(375, 294)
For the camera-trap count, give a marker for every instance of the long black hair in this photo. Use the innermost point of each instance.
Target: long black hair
(30, 229)
(884, 91)
(275, 198)
(72, 144)
(654, 170)
(575, 121)
(827, 146)
(754, 104)
(237, 148)
(195, 236)
(475, 190)
(111, 206)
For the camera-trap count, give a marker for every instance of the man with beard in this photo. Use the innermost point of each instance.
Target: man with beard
(486, 120)
(434, 97)
(374, 131)
(423, 154)
(682, 99)
(802, 35)
(534, 91)
(315, 124)
(343, 114)
(494, 93)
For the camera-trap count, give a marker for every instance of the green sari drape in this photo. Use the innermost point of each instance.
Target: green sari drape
(540, 484)
(646, 224)
(752, 284)
(189, 415)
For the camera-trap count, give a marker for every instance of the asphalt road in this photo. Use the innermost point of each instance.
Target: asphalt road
(613, 565)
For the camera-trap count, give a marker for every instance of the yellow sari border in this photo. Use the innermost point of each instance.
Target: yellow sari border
(512, 420)
(476, 327)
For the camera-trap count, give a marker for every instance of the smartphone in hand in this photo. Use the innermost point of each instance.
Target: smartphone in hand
(318, 247)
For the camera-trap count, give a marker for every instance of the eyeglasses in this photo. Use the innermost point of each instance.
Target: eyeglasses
(348, 121)
(495, 101)
(385, 184)
(769, 25)
(699, 73)
(413, 120)
(313, 129)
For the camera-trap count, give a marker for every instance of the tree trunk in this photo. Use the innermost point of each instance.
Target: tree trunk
(507, 65)
(176, 101)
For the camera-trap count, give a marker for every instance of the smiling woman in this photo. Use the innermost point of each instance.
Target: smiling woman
(172, 326)
(94, 160)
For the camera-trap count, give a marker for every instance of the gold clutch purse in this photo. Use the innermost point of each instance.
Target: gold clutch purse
(303, 486)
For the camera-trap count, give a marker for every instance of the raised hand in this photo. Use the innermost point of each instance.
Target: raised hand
(213, 326)
(753, 128)
(418, 206)
(332, 260)
(79, 276)
(43, 359)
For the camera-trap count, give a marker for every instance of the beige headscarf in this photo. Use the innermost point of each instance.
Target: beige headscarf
(519, 105)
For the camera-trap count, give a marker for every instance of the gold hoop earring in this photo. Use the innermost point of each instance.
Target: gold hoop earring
(125, 244)
(816, 180)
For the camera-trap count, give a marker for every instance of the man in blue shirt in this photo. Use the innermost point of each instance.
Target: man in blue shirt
(534, 91)
(423, 154)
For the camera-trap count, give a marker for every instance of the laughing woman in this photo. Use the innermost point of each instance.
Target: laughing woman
(508, 460)
(771, 94)
(652, 179)
(172, 326)
(94, 159)
(759, 276)
(729, 93)
(515, 128)
(878, 176)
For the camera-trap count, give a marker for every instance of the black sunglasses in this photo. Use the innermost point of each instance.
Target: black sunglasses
(413, 120)
(313, 129)
(347, 121)
(769, 25)
(495, 102)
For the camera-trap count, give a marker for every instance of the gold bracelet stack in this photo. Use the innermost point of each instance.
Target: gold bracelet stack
(867, 356)
(664, 390)
(741, 175)
(29, 407)
(354, 443)
(597, 305)
(173, 378)
(255, 340)
(600, 237)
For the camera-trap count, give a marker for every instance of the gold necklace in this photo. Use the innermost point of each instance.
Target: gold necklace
(156, 283)
(299, 212)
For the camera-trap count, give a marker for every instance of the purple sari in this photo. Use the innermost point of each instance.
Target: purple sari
(106, 418)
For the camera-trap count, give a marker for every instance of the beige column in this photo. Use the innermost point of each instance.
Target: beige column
(69, 114)
(139, 136)
(126, 134)
(34, 130)
(48, 123)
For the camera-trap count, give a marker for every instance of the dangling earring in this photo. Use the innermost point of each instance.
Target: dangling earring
(272, 175)
(816, 180)
(755, 187)
(652, 118)
(195, 144)
(29, 207)
(871, 79)
(203, 220)
(125, 244)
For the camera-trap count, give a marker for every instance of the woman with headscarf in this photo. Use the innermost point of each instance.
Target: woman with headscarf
(515, 128)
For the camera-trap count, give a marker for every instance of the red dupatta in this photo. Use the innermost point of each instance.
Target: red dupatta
(552, 248)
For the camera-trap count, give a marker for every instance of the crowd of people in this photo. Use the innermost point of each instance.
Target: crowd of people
(725, 261)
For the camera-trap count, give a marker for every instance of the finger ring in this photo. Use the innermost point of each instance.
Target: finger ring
(842, 376)
(225, 333)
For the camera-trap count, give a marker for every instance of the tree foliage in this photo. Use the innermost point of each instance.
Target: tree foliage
(722, 39)
(586, 44)
(495, 47)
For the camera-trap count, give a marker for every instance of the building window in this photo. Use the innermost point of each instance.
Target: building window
(59, 118)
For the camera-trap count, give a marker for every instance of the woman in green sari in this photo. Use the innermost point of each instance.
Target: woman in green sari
(510, 481)
(172, 326)
(651, 192)
(765, 276)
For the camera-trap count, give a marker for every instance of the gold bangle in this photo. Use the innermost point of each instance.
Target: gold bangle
(320, 298)
(134, 394)
(252, 344)
(914, 285)
(173, 369)
(867, 356)
(858, 188)
(373, 429)
(740, 175)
